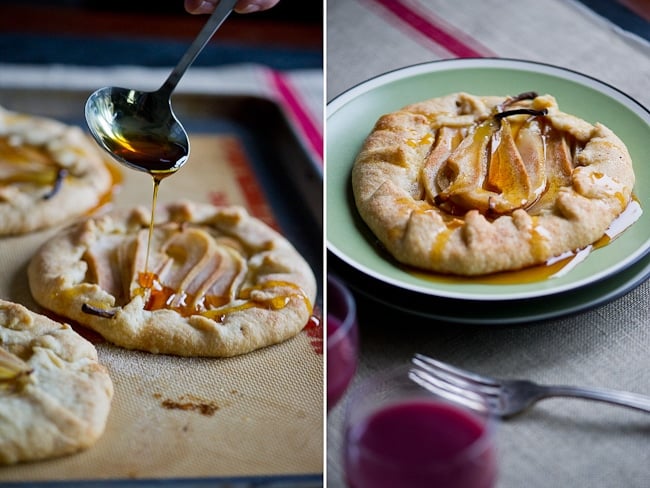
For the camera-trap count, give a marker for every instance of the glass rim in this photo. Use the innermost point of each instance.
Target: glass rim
(350, 318)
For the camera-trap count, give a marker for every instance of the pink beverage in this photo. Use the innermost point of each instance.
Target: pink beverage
(342, 339)
(341, 359)
(420, 443)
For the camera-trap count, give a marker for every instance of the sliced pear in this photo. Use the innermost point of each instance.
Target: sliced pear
(466, 167)
(447, 139)
(192, 272)
(26, 156)
(507, 174)
(25, 164)
(13, 370)
(222, 284)
(530, 144)
(558, 168)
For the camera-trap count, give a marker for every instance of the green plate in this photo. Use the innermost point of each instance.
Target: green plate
(495, 312)
(351, 116)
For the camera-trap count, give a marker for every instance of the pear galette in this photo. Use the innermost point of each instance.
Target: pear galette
(50, 172)
(54, 395)
(472, 185)
(216, 281)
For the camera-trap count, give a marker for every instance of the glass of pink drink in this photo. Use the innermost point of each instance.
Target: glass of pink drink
(398, 434)
(342, 340)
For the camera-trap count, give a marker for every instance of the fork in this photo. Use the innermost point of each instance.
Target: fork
(507, 398)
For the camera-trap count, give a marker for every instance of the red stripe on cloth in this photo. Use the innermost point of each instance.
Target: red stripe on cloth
(435, 29)
(298, 111)
(639, 7)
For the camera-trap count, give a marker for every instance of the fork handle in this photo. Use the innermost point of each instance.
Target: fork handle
(622, 398)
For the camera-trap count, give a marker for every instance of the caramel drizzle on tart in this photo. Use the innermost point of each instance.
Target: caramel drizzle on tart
(192, 272)
(512, 160)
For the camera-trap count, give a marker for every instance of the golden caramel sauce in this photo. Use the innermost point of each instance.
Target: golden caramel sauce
(554, 267)
(154, 200)
(117, 178)
(532, 274)
(427, 140)
(158, 296)
(275, 303)
(154, 155)
(116, 174)
(441, 241)
(220, 315)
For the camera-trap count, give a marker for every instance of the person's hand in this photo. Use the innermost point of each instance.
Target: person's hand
(242, 7)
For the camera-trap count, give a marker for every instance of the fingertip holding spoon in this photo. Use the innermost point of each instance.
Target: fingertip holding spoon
(139, 129)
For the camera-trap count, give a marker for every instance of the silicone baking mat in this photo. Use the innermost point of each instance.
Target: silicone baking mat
(257, 416)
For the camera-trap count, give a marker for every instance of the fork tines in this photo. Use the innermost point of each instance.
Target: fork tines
(451, 382)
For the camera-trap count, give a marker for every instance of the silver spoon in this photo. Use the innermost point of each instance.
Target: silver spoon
(139, 129)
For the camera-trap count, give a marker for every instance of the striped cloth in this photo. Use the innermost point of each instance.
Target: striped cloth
(299, 92)
(369, 37)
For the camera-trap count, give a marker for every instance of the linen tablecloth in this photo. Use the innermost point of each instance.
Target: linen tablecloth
(560, 442)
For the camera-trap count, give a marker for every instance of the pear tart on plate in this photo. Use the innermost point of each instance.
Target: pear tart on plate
(50, 173)
(472, 185)
(54, 395)
(215, 281)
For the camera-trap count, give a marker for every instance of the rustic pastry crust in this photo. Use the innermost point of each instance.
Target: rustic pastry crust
(224, 283)
(447, 185)
(50, 172)
(54, 395)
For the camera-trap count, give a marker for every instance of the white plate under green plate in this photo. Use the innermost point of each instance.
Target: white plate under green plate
(351, 116)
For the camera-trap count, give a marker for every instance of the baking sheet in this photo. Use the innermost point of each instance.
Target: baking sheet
(256, 418)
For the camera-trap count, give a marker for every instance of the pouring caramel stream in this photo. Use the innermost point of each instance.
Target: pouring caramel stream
(154, 155)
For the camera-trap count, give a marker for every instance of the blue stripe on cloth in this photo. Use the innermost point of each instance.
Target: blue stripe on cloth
(37, 49)
(621, 16)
